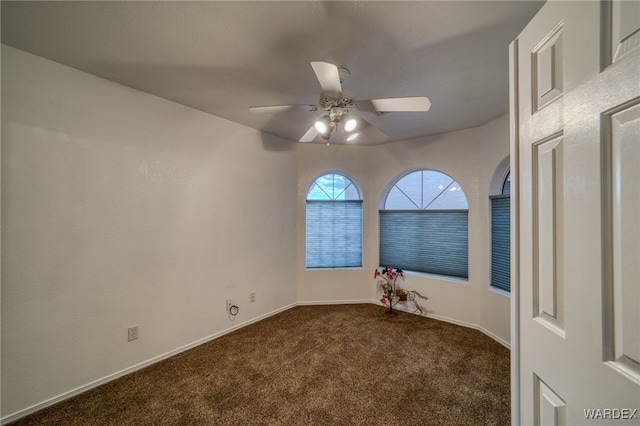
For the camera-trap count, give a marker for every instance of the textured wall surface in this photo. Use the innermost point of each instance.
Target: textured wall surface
(471, 157)
(119, 209)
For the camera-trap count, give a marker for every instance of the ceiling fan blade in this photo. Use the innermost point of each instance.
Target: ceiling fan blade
(329, 78)
(283, 108)
(413, 104)
(370, 133)
(310, 135)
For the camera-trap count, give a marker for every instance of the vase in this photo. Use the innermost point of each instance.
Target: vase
(390, 303)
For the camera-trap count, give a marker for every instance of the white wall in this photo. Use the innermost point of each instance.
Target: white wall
(471, 157)
(344, 284)
(120, 208)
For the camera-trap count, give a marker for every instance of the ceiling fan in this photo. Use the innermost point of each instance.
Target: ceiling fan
(339, 107)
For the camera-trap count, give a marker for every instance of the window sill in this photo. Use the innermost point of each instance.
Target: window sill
(438, 277)
(349, 268)
(500, 291)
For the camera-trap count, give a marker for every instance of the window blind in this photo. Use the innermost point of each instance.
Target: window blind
(334, 234)
(501, 242)
(432, 241)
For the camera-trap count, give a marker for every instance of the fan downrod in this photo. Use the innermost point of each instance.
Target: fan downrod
(343, 74)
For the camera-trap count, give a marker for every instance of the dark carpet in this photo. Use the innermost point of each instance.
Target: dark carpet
(312, 365)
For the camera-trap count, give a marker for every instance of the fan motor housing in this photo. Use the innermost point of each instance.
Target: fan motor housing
(327, 102)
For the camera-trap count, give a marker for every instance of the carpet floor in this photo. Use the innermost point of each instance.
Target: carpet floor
(311, 365)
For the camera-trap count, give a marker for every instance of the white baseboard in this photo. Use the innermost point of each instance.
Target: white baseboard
(403, 309)
(32, 409)
(456, 322)
(474, 326)
(334, 302)
(66, 395)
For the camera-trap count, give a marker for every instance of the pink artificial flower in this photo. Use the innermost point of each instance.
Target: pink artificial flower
(376, 274)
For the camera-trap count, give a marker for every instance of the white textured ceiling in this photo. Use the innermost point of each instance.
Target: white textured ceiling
(224, 57)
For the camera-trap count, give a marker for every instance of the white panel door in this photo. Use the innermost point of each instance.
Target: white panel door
(575, 76)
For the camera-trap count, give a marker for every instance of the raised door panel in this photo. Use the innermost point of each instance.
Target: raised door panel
(625, 27)
(577, 137)
(622, 250)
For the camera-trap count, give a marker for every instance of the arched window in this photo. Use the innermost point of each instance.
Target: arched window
(424, 224)
(334, 222)
(506, 184)
(501, 234)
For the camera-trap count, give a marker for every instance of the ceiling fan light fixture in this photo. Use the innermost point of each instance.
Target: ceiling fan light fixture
(350, 124)
(327, 136)
(323, 125)
(337, 107)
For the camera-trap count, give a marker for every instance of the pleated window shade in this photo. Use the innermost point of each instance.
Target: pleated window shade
(424, 226)
(333, 223)
(434, 242)
(500, 242)
(501, 237)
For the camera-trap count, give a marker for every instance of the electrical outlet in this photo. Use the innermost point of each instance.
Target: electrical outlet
(252, 297)
(132, 333)
(229, 304)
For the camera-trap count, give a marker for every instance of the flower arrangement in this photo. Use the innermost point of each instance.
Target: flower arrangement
(392, 293)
